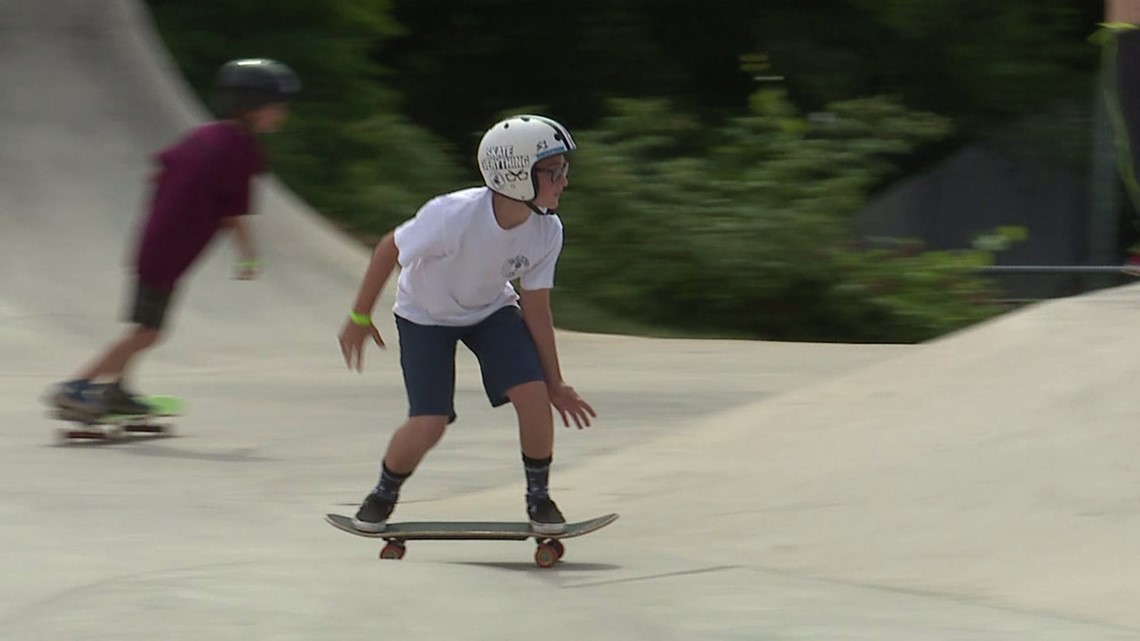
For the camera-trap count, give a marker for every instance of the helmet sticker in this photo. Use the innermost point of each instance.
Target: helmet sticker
(503, 158)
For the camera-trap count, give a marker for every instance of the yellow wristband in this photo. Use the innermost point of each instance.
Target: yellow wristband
(249, 264)
(364, 320)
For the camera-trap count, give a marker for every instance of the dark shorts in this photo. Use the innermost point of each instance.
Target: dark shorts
(502, 344)
(149, 305)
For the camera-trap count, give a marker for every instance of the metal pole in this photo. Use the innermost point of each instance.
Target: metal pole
(1104, 188)
(1052, 269)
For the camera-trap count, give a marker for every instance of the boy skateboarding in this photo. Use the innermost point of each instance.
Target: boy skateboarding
(458, 258)
(201, 185)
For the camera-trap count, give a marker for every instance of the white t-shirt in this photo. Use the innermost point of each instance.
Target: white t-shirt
(457, 262)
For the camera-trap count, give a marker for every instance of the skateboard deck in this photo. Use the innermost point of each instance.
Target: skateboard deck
(109, 426)
(550, 548)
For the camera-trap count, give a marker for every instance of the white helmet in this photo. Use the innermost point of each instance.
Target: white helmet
(510, 149)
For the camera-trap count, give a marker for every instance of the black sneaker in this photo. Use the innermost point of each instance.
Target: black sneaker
(119, 401)
(544, 516)
(373, 514)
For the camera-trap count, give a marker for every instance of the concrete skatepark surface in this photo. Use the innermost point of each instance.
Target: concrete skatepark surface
(982, 486)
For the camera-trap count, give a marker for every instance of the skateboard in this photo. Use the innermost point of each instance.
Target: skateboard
(111, 426)
(549, 551)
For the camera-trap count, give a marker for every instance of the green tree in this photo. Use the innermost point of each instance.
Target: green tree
(980, 62)
(744, 229)
(460, 63)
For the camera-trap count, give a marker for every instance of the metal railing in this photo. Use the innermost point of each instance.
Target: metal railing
(1054, 269)
(1091, 277)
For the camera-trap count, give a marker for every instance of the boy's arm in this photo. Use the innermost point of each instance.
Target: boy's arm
(358, 327)
(384, 259)
(243, 242)
(539, 321)
(1121, 11)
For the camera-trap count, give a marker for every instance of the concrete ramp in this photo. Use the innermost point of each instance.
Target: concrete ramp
(979, 487)
(998, 466)
(88, 97)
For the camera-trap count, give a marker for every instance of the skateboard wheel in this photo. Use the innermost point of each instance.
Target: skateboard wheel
(393, 551)
(546, 555)
(559, 549)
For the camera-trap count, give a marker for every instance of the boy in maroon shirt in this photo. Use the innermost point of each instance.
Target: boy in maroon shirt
(201, 185)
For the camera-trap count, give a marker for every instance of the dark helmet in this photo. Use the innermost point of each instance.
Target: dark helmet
(244, 85)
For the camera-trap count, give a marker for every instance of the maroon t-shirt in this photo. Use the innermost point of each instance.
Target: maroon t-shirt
(203, 178)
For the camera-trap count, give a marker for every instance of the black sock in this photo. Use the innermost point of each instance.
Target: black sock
(537, 476)
(390, 482)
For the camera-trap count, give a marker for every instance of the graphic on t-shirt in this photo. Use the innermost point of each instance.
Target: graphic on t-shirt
(515, 266)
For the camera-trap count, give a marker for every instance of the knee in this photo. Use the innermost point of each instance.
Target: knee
(145, 337)
(529, 396)
(428, 429)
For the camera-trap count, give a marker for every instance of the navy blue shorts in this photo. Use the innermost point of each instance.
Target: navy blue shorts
(501, 342)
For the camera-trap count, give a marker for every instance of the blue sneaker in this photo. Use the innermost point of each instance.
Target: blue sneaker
(78, 395)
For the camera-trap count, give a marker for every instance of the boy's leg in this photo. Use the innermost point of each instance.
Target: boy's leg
(412, 441)
(147, 315)
(536, 420)
(512, 372)
(115, 360)
(536, 436)
(427, 357)
(406, 449)
(81, 393)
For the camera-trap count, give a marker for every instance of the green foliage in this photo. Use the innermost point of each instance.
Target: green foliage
(910, 295)
(462, 62)
(980, 62)
(347, 148)
(717, 212)
(744, 228)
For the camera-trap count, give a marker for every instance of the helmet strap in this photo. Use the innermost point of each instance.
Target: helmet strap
(538, 210)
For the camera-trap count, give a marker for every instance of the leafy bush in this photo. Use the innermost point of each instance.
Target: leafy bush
(744, 228)
(739, 228)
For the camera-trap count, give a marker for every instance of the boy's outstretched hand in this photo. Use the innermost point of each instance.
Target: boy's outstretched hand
(570, 405)
(352, 337)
